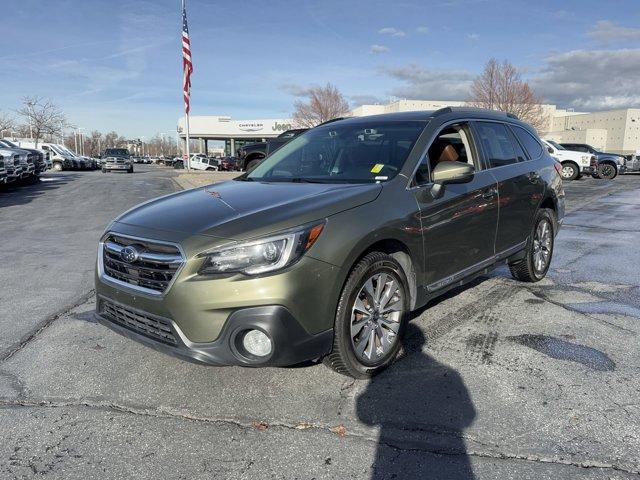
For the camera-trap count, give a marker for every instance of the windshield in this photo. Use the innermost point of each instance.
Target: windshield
(346, 153)
(556, 145)
(58, 150)
(116, 151)
(8, 143)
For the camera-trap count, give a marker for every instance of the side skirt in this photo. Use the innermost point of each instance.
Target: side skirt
(469, 274)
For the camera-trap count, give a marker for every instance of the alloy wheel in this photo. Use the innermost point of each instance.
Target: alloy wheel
(542, 245)
(376, 317)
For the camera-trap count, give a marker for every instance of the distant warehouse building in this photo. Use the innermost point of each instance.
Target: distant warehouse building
(616, 131)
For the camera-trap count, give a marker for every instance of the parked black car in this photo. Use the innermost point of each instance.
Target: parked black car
(609, 164)
(250, 155)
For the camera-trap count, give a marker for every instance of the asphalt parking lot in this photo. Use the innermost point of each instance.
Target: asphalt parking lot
(498, 379)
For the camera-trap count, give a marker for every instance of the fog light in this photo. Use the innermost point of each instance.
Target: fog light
(257, 343)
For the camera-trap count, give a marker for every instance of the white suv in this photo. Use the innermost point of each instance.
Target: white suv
(574, 164)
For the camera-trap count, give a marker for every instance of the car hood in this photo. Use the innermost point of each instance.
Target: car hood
(240, 210)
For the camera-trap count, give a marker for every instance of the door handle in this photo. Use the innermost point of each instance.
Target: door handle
(489, 194)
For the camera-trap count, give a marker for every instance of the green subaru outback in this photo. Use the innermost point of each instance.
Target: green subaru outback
(323, 250)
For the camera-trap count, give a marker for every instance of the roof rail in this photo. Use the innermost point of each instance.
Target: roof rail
(442, 111)
(332, 120)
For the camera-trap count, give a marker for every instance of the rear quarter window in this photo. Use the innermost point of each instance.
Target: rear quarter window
(528, 141)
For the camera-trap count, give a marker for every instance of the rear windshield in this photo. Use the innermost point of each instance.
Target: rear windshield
(348, 152)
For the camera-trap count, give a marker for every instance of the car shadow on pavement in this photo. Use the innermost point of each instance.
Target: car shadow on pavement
(421, 408)
(21, 193)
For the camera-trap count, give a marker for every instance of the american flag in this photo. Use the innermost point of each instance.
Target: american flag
(186, 60)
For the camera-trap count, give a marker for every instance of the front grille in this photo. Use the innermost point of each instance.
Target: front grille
(153, 268)
(138, 321)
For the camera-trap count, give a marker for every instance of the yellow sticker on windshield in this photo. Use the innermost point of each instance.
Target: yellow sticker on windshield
(377, 167)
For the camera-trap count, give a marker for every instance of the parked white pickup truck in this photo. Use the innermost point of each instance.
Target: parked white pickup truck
(574, 164)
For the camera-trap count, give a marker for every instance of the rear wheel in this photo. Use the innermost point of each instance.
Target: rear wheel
(371, 317)
(534, 266)
(570, 171)
(607, 171)
(57, 167)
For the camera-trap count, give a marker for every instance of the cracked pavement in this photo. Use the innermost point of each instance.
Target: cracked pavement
(497, 380)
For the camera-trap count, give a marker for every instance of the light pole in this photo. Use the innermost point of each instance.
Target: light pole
(162, 134)
(80, 140)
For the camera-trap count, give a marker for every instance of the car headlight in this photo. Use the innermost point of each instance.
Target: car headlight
(263, 255)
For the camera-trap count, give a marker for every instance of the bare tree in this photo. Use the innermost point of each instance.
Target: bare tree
(94, 144)
(42, 117)
(500, 87)
(323, 103)
(7, 124)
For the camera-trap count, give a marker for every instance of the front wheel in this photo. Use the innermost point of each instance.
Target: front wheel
(371, 317)
(534, 266)
(57, 167)
(253, 164)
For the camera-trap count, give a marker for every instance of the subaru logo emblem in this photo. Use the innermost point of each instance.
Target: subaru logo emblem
(129, 254)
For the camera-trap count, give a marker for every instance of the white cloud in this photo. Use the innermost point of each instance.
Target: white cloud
(296, 90)
(378, 49)
(394, 32)
(606, 31)
(473, 37)
(591, 79)
(425, 84)
(422, 29)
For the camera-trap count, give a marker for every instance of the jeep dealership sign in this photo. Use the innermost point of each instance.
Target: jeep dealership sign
(213, 127)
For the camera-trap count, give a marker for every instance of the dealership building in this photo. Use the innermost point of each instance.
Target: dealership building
(234, 133)
(616, 131)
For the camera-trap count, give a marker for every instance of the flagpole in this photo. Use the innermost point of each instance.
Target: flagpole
(186, 120)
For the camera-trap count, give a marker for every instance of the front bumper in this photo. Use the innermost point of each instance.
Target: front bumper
(116, 166)
(291, 344)
(201, 310)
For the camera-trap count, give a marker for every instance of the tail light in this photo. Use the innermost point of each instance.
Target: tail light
(558, 167)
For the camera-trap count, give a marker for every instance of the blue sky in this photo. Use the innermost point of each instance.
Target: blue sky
(115, 64)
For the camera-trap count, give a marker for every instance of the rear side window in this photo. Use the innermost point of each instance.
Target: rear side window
(496, 143)
(529, 142)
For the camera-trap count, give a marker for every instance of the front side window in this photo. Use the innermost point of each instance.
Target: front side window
(453, 143)
(496, 143)
(351, 152)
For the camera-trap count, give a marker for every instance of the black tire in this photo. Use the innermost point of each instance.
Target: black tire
(104, 170)
(570, 171)
(526, 270)
(253, 164)
(130, 169)
(607, 171)
(343, 358)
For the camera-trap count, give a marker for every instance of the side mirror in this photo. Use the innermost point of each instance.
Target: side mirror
(450, 172)
(550, 149)
(453, 172)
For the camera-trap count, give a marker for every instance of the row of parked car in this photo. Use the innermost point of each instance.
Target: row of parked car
(579, 159)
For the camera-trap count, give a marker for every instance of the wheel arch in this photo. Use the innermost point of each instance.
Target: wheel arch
(396, 249)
